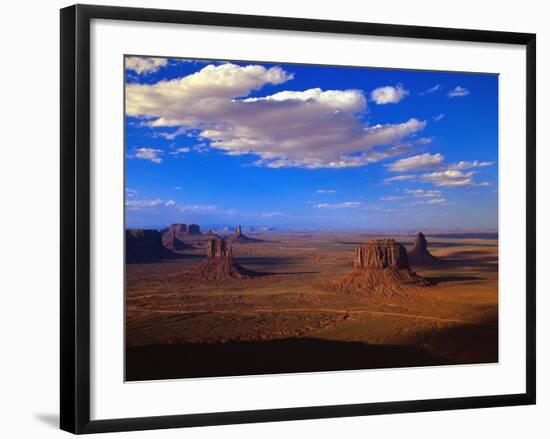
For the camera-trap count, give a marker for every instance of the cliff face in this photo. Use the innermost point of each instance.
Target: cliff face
(419, 255)
(381, 253)
(193, 230)
(144, 245)
(219, 248)
(380, 266)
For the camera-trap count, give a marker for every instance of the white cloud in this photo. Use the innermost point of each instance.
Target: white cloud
(181, 150)
(400, 178)
(417, 162)
(458, 91)
(431, 201)
(151, 154)
(439, 117)
(467, 165)
(197, 207)
(433, 89)
(485, 183)
(131, 192)
(388, 94)
(143, 65)
(424, 140)
(344, 205)
(271, 214)
(326, 191)
(392, 198)
(312, 128)
(144, 204)
(422, 193)
(171, 136)
(449, 178)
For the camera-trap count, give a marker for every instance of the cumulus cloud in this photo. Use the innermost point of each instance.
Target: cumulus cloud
(151, 154)
(326, 191)
(144, 65)
(449, 178)
(447, 175)
(344, 205)
(417, 162)
(388, 94)
(458, 91)
(312, 128)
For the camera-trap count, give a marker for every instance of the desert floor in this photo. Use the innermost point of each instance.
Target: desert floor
(291, 320)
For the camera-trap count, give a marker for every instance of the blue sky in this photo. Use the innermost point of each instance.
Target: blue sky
(302, 146)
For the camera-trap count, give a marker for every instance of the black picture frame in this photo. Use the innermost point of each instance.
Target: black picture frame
(75, 217)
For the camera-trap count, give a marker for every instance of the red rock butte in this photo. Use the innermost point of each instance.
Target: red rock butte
(381, 266)
(381, 253)
(180, 236)
(144, 245)
(219, 248)
(419, 255)
(239, 237)
(219, 264)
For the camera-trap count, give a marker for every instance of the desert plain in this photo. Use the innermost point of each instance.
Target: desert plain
(293, 316)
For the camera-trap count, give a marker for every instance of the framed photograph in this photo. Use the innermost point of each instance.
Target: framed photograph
(269, 219)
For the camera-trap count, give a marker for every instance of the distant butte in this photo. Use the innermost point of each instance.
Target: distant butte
(239, 237)
(381, 266)
(219, 263)
(143, 245)
(419, 255)
(175, 236)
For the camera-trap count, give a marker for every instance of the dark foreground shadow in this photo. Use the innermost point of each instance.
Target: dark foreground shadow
(289, 355)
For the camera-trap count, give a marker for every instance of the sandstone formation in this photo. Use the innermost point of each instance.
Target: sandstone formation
(239, 237)
(219, 248)
(144, 246)
(175, 237)
(193, 230)
(219, 264)
(381, 266)
(381, 253)
(419, 254)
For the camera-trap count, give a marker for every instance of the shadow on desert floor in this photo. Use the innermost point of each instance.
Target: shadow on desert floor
(288, 355)
(434, 280)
